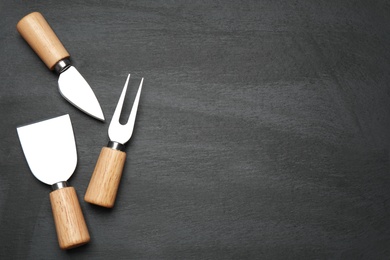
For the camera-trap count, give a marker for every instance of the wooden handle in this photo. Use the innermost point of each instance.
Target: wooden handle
(42, 39)
(103, 187)
(71, 228)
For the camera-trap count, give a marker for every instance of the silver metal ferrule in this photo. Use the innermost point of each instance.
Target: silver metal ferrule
(116, 146)
(59, 185)
(62, 65)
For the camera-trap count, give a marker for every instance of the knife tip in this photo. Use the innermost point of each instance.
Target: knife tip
(102, 119)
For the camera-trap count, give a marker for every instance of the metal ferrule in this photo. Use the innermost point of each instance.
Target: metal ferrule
(116, 146)
(59, 185)
(62, 65)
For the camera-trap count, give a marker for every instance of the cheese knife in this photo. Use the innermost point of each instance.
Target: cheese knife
(54, 164)
(73, 87)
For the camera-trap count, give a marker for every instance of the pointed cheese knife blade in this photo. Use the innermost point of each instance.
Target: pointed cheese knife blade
(54, 166)
(73, 87)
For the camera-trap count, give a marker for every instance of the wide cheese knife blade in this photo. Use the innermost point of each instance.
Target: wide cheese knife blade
(54, 165)
(73, 87)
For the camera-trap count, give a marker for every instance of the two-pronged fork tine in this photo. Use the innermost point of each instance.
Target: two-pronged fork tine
(103, 187)
(116, 131)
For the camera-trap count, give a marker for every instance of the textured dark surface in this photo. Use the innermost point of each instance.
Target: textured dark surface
(263, 130)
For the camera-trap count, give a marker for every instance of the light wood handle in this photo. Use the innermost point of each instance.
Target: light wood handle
(42, 39)
(104, 184)
(71, 228)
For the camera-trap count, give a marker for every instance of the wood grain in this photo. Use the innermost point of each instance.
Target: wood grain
(104, 184)
(70, 225)
(42, 39)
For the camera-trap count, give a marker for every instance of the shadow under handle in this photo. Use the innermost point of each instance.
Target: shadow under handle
(70, 225)
(104, 184)
(42, 39)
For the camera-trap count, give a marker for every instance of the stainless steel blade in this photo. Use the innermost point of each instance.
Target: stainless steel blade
(118, 132)
(50, 149)
(74, 88)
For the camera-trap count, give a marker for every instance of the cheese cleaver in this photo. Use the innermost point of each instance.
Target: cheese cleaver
(73, 87)
(54, 167)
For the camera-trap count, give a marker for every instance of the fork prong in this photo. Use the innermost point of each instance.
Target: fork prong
(117, 131)
(134, 109)
(119, 106)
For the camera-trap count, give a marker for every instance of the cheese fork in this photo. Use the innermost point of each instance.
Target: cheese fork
(103, 186)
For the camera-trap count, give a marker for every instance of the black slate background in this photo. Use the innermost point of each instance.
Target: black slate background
(263, 130)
